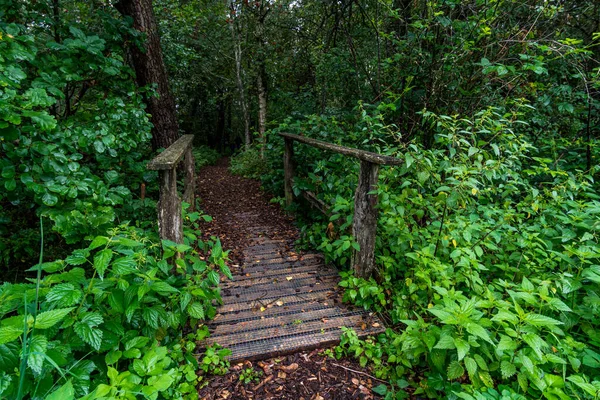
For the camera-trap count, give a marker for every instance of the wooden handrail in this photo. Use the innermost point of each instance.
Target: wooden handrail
(364, 226)
(170, 220)
(349, 151)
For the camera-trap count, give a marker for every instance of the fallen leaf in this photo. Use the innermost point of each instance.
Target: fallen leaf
(289, 278)
(355, 381)
(376, 325)
(363, 326)
(281, 375)
(279, 303)
(262, 309)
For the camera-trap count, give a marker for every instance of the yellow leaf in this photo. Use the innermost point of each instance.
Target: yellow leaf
(474, 191)
(262, 309)
(454, 242)
(289, 278)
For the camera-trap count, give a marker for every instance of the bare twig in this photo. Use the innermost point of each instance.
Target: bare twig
(360, 372)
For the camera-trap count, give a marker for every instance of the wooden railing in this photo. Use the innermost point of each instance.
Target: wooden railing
(170, 220)
(364, 227)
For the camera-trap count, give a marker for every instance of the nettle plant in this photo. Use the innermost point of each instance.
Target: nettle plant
(487, 260)
(107, 321)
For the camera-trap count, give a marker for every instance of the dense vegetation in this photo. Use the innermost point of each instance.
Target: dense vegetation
(487, 250)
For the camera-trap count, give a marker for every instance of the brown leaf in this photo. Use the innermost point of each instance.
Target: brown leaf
(355, 381)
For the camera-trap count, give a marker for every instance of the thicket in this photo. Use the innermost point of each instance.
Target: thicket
(487, 248)
(116, 313)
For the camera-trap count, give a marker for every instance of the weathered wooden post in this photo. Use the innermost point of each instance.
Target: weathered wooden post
(288, 171)
(364, 227)
(190, 180)
(170, 220)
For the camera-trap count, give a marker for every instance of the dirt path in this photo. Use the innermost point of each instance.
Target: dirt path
(241, 214)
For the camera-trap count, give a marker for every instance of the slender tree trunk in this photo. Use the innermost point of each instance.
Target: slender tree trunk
(150, 70)
(239, 72)
(261, 81)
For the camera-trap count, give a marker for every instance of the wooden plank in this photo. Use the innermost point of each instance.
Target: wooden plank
(235, 295)
(271, 274)
(268, 322)
(309, 282)
(364, 228)
(169, 158)
(294, 306)
(327, 295)
(354, 321)
(288, 171)
(360, 154)
(261, 279)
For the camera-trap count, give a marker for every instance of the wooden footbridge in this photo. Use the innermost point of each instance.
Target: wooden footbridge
(281, 301)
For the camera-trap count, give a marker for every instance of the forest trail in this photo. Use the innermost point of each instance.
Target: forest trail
(280, 301)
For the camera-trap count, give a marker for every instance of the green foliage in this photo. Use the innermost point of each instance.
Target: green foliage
(214, 361)
(204, 155)
(101, 315)
(248, 163)
(486, 255)
(250, 375)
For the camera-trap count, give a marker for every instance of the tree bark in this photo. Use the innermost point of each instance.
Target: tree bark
(261, 80)
(150, 70)
(239, 72)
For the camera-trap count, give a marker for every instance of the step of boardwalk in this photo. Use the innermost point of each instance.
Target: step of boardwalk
(281, 302)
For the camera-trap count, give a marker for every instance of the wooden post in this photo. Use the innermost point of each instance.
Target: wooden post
(364, 227)
(288, 167)
(170, 224)
(189, 181)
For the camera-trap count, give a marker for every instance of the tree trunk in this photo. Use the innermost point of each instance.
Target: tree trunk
(150, 70)
(237, 50)
(261, 81)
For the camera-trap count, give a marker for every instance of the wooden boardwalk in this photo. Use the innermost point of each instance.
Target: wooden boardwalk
(282, 302)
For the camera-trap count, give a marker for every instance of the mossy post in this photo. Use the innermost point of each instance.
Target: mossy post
(364, 227)
(170, 220)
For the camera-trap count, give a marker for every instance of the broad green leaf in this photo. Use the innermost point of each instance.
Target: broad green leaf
(541, 320)
(478, 330)
(9, 356)
(101, 261)
(50, 318)
(195, 310)
(471, 366)
(162, 287)
(445, 342)
(462, 347)
(97, 242)
(508, 369)
(455, 370)
(65, 392)
(64, 294)
(138, 341)
(9, 333)
(37, 352)
(124, 265)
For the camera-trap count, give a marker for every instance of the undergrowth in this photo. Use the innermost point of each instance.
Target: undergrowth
(204, 155)
(248, 164)
(109, 320)
(487, 258)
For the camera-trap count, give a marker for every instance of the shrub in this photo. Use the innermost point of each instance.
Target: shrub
(248, 164)
(107, 321)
